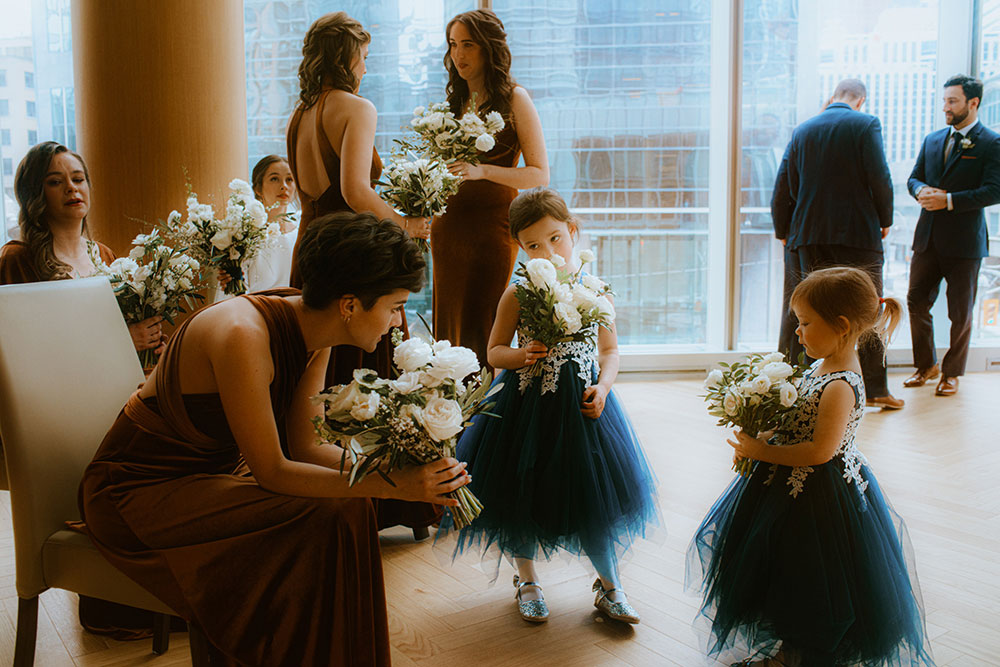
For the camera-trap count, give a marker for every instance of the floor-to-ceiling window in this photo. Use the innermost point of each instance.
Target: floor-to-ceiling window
(795, 53)
(622, 89)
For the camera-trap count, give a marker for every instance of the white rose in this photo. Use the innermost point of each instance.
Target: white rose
(419, 111)
(137, 253)
(339, 404)
(777, 370)
(485, 143)
(746, 388)
(730, 403)
(714, 378)
(366, 407)
(441, 345)
(411, 411)
(453, 363)
(569, 315)
(412, 354)
(773, 357)
(442, 418)
(563, 293)
(430, 381)
(241, 187)
(406, 383)
(222, 239)
(592, 282)
(557, 260)
(761, 384)
(541, 273)
(787, 394)
(606, 307)
(494, 121)
(583, 297)
(586, 256)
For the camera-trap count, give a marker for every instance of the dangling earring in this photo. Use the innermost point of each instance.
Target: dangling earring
(347, 319)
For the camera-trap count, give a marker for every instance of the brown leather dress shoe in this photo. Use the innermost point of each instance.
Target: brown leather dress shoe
(887, 402)
(948, 386)
(922, 375)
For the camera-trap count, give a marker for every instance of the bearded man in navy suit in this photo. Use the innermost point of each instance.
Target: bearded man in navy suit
(956, 176)
(832, 206)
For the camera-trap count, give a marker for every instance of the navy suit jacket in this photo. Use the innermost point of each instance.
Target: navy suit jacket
(834, 185)
(972, 176)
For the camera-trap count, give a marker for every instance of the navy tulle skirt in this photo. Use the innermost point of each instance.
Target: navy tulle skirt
(550, 478)
(828, 574)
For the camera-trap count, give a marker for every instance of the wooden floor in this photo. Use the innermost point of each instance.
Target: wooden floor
(938, 461)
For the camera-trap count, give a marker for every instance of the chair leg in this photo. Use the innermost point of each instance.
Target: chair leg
(420, 534)
(27, 628)
(203, 654)
(161, 633)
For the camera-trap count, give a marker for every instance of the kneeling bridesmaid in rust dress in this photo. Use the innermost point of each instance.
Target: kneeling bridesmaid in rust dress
(473, 250)
(210, 489)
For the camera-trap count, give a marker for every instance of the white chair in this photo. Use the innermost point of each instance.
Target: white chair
(67, 366)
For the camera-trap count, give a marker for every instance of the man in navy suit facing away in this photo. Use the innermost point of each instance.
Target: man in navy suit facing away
(832, 206)
(956, 176)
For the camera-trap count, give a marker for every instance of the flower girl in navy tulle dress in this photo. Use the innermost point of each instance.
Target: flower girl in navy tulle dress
(562, 468)
(804, 562)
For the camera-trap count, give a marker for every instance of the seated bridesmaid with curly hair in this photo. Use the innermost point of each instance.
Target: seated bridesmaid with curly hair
(211, 490)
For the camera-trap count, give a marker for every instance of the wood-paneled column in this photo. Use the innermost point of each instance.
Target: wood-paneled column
(160, 87)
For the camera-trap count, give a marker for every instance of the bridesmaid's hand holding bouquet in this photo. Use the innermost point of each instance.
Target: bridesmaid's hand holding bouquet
(384, 425)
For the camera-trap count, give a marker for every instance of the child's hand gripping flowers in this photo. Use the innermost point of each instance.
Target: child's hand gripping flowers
(756, 395)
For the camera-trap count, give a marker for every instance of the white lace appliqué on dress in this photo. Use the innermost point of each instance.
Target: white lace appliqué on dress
(804, 422)
(582, 352)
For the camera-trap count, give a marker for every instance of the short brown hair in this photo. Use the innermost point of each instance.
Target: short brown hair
(328, 51)
(532, 205)
(844, 291)
(356, 253)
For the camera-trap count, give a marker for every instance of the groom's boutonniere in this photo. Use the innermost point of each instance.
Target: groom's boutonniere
(967, 143)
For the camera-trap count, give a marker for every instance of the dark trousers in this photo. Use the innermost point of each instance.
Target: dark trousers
(872, 351)
(788, 341)
(927, 269)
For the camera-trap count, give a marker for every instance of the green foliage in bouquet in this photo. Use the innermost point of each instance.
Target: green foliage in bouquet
(757, 395)
(384, 425)
(154, 280)
(558, 306)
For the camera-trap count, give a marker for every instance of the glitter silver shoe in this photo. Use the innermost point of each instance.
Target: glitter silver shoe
(620, 611)
(535, 611)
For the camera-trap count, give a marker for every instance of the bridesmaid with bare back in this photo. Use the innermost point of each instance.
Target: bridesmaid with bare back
(471, 244)
(331, 151)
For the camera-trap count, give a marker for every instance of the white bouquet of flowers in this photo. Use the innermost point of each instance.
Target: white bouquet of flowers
(154, 280)
(224, 243)
(556, 306)
(419, 188)
(384, 425)
(755, 394)
(450, 139)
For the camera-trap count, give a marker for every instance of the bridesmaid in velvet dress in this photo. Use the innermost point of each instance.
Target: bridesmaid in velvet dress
(471, 244)
(331, 151)
(211, 491)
